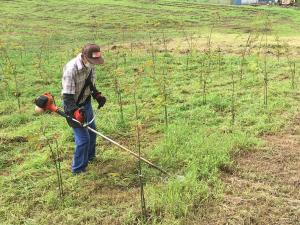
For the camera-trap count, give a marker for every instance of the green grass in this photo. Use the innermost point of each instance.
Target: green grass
(201, 139)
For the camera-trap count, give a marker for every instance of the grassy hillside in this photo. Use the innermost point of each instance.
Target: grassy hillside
(203, 91)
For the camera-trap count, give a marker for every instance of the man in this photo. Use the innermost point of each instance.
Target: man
(78, 85)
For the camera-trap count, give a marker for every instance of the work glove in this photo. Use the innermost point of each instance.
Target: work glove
(100, 99)
(79, 114)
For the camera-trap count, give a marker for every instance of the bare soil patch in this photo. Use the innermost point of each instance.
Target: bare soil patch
(226, 43)
(264, 188)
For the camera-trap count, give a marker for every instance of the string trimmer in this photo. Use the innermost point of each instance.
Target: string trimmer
(46, 102)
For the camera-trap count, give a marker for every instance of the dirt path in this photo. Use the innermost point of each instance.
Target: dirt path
(264, 188)
(228, 43)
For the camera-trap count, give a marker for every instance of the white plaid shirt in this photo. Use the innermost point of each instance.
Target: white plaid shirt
(74, 76)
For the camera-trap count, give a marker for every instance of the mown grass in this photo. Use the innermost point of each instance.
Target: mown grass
(201, 136)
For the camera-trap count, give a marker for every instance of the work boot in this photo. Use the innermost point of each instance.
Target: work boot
(92, 160)
(78, 172)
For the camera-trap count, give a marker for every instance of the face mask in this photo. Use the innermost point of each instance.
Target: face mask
(89, 65)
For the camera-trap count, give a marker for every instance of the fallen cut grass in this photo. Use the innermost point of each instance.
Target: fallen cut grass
(200, 152)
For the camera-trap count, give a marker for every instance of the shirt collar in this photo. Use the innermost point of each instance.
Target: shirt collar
(79, 62)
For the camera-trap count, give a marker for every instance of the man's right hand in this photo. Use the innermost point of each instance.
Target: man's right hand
(79, 114)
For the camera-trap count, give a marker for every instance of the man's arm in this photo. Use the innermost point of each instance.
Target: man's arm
(93, 84)
(69, 103)
(68, 91)
(97, 95)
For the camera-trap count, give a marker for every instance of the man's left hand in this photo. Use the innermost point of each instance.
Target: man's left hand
(100, 99)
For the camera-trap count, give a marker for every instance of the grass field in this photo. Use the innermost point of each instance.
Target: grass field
(209, 80)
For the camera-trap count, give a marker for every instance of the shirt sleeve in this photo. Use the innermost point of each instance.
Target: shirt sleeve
(93, 87)
(68, 82)
(69, 104)
(93, 76)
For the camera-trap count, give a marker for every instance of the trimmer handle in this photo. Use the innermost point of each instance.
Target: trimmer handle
(46, 102)
(62, 113)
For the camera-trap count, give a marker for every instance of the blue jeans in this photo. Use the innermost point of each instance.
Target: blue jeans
(85, 141)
